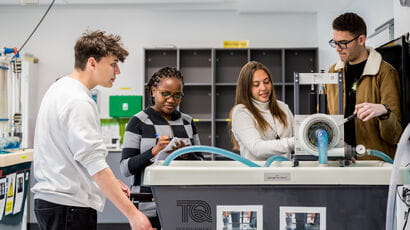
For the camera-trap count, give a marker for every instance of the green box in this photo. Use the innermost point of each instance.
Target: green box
(125, 106)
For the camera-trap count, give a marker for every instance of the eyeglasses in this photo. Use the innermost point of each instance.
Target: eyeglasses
(166, 95)
(341, 44)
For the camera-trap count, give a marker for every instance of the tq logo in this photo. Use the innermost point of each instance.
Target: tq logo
(197, 210)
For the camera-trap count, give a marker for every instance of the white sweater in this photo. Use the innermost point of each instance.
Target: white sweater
(68, 147)
(256, 145)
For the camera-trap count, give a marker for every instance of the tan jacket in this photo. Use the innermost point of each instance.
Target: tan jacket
(378, 84)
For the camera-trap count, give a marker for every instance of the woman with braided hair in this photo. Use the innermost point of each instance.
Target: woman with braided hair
(150, 131)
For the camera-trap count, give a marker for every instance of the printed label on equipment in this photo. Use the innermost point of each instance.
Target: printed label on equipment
(277, 177)
(11, 184)
(18, 200)
(3, 194)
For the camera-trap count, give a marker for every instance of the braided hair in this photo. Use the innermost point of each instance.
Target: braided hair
(164, 72)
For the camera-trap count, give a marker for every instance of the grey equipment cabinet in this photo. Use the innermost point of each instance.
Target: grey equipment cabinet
(210, 76)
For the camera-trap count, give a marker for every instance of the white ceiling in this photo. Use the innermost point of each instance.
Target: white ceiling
(242, 6)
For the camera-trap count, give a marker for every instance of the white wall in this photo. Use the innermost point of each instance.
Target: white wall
(374, 12)
(152, 26)
(53, 42)
(401, 19)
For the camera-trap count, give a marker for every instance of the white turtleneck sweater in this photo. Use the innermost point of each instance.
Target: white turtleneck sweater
(257, 145)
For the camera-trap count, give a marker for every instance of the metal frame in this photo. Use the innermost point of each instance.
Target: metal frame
(317, 79)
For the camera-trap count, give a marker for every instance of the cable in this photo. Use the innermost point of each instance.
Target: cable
(38, 24)
(401, 198)
(406, 216)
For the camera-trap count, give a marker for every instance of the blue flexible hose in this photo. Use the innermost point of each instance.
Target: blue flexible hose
(381, 155)
(323, 144)
(208, 149)
(271, 159)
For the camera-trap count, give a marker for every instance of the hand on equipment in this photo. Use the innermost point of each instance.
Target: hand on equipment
(366, 111)
(140, 222)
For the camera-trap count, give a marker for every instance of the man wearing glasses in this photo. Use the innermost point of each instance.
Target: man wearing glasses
(371, 88)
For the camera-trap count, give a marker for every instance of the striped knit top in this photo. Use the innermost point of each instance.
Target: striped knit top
(141, 136)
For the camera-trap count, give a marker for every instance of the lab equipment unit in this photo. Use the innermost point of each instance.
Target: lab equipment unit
(309, 143)
(272, 188)
(308, 127)
(306, 142)
(15, 161)
(10, 108)
(14, 187)
(399, 196)
(352, 197)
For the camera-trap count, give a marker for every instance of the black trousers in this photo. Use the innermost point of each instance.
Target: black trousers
(155, 222)
(51, 216)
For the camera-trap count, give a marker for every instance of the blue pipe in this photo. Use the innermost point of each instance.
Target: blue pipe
(271, 159)
(381, 155)
(323, 142)
(208, 149)
(9, 143)
(12, 50)
(9, 50)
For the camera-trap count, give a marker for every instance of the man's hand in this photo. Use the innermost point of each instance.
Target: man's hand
(105, 180)
(125, 189)
(366, 111)
(140, 222)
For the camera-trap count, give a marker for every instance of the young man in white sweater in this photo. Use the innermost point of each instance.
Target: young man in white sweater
(73, 177)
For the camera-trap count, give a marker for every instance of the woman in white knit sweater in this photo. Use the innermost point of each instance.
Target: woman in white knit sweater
(261, 125)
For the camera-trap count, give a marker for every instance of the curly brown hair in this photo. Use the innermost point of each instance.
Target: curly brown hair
(97, 44)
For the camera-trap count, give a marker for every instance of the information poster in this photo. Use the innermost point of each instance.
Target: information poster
(18, 201)
(3, 194)
(244, 217)
(10, 194)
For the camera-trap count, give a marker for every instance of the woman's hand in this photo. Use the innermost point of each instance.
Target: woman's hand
(178, 145)
(162, 142)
